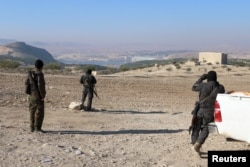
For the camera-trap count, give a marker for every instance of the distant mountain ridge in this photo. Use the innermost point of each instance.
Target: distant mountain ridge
(25, 54)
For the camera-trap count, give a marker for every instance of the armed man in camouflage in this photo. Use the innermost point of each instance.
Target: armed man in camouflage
(37, 94)
(88, 81)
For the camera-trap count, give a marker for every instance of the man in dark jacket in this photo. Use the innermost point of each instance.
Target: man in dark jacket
(88, 81)
(207, 96)
(36, 81)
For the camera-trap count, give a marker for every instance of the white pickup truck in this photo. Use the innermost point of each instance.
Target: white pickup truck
(232, 116)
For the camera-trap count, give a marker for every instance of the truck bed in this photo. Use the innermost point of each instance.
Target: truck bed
(234, 110)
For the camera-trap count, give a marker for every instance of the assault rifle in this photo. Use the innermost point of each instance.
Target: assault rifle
(95, 92)
(35, 84)
(194, 113)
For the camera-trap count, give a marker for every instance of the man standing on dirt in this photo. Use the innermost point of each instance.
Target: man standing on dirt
(37, 94)
(207, 96)
(88, 81)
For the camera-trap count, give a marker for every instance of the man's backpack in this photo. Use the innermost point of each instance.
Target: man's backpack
(28, 85)
(86, 80)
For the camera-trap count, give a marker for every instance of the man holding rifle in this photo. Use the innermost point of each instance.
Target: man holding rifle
(88, 81)
(204, 110)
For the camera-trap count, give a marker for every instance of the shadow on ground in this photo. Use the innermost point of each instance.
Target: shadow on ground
(134, 112)
(125, 111)
(159, 131)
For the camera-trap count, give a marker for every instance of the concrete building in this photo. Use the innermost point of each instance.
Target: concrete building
(212, 57)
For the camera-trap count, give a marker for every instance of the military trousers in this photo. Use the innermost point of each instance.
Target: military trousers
(200, 131)
(88, 92)
(36, 109)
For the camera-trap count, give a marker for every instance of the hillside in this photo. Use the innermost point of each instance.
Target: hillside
(25, 54)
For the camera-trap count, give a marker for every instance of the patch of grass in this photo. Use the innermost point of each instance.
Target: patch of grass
(8, 64)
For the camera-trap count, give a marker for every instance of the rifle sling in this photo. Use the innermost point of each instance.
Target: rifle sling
(207, 96)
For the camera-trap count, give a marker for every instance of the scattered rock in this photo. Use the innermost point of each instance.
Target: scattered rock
(75, 105)
(78, 152)
(47, 160)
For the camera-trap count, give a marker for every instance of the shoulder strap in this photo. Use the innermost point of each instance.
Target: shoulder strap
(208, 96)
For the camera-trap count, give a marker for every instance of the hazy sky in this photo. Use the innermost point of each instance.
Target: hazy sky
(154, 24)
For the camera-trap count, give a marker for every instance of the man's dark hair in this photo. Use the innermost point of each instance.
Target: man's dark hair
(39, 64)
(89, 71)
(211, 76)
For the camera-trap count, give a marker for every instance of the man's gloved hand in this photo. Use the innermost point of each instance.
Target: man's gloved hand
(203, 77)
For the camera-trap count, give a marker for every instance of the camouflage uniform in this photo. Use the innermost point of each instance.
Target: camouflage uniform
(36, 99)
(88, 82)
(205, 115)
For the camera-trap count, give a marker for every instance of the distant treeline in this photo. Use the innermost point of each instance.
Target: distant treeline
(150, 63)
(239, 62)
(72, 68)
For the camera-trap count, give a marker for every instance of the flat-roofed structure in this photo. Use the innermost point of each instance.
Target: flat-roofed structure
(213, 57)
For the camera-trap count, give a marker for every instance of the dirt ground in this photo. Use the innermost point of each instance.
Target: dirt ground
(141, 120)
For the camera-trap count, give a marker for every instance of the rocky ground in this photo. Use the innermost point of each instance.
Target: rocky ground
(141, 120)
